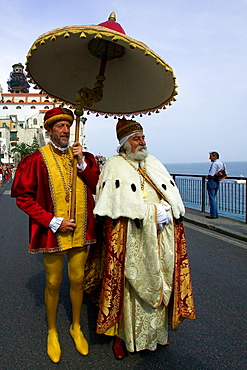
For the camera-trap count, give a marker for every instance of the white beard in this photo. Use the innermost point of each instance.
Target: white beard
(139, 155)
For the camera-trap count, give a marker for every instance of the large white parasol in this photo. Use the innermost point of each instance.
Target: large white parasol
(63, 61)
(102, 70)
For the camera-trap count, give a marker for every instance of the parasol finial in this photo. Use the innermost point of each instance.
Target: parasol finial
(112, 17)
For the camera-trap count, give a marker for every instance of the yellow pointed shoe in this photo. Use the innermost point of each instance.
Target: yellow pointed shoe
(53, 347)
(80, 341)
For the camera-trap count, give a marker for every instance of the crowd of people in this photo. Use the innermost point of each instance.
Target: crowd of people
(6, 173)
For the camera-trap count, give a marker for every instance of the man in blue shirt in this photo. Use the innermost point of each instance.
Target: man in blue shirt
(213, 183)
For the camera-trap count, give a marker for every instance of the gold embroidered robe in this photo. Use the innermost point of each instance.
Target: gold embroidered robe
(144, 268)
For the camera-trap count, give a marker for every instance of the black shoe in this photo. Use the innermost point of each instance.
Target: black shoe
(211, 217)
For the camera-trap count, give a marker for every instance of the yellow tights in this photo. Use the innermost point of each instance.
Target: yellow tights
(54, 267)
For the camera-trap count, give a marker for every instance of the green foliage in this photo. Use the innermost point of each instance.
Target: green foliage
(24, 149)
(35, 144)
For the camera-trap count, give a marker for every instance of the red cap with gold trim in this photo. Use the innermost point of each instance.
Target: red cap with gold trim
(126, 128)
(58, 114)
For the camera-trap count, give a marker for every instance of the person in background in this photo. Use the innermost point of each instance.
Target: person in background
(213, 183)
(1, 175)
(141, 212)
(42, 187)
(8, 173)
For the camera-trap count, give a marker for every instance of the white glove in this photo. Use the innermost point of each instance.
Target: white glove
(164, 217)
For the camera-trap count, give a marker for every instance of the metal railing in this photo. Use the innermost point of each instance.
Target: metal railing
(231, 197)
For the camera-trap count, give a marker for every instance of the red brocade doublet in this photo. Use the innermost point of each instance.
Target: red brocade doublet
(33, 196)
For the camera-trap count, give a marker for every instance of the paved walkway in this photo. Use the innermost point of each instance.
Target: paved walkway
(224, 225)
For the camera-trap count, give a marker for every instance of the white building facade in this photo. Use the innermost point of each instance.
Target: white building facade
(23, 115)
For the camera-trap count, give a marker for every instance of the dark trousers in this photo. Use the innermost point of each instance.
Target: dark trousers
(212, 188)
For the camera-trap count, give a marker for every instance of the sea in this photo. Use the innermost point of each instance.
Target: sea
(234, 169)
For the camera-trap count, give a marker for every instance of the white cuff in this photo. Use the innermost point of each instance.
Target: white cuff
(82, 166)
(55, 223)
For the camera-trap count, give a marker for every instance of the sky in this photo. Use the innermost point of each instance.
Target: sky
(205, 42)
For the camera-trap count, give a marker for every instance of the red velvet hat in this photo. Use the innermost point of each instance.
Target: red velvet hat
(58, 114)
(127, 127)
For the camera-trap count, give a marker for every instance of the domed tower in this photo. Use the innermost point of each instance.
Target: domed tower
(17, 82)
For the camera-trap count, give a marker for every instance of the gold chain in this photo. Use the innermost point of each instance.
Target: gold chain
(67, 188)
(142, 180)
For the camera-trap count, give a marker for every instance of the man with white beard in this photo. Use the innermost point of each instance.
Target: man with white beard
(141, 212)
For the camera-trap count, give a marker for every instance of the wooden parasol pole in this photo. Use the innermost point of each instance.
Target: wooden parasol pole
(85, 97)
(78, 113)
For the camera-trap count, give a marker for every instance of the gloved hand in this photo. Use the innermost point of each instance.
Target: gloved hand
(164, 217)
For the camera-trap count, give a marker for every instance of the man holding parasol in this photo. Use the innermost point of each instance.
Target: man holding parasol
(42, 187)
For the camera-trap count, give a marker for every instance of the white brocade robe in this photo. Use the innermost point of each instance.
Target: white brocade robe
(149, 266)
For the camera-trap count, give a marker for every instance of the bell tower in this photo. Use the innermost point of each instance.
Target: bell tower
(17, 82)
